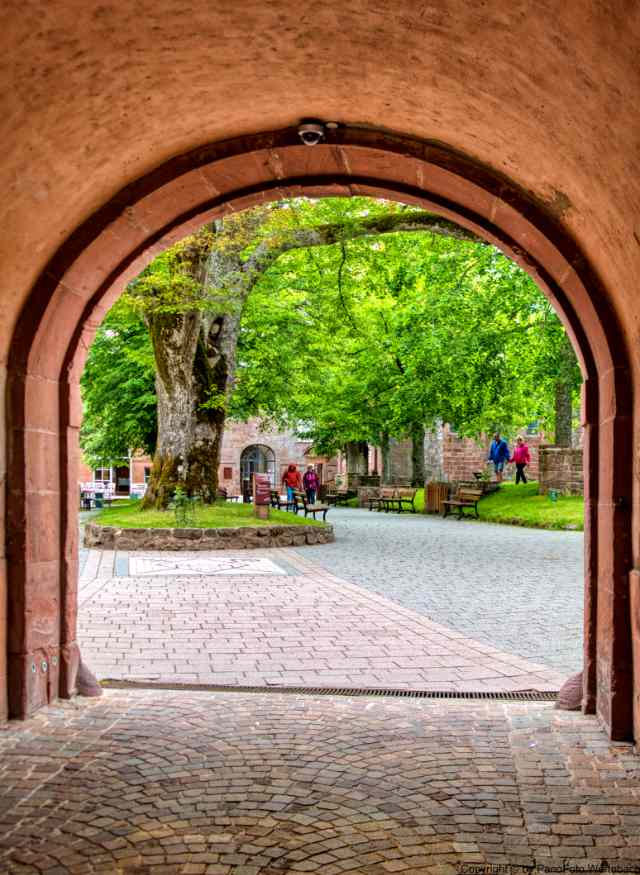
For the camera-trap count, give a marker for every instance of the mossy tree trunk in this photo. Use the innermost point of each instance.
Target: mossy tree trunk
(385, 448)
(357, 457)
(195, 356)
(192, 371)
(417, 455)
(567, 366)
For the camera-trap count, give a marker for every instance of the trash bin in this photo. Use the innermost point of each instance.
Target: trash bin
(99, 499)
(554, 494)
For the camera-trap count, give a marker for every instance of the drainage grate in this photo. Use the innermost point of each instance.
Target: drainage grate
(514, 696)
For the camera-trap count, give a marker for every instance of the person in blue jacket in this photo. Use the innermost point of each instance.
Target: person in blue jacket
(498, 454)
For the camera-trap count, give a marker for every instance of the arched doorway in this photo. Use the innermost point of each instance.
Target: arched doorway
(256, 459)
(89, 271)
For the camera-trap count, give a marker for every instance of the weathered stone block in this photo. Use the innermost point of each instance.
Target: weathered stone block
(241, 538)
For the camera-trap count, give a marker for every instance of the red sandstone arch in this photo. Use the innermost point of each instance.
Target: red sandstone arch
(90, 269)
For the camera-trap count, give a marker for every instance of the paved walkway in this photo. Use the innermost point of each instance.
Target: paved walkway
(161, 783)
(520, 590)
(271, 617)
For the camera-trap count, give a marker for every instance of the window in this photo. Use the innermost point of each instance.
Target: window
(227, 473)
(103, 474)
(147, 474)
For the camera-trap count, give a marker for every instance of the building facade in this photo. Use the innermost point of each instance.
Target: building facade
(246, 449)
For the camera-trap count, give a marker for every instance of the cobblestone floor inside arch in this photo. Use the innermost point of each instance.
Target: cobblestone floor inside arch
(172, 782)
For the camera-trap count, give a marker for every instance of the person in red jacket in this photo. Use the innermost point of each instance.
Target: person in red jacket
(292, 481)
(522, 458)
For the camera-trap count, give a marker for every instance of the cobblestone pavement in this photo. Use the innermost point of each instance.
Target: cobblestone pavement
(517, 589)
(272, 618)
(150, 783)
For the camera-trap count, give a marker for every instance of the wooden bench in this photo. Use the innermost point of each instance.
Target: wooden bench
(384, 494)
(400, 499)
(464, 497)
(278, 501)
(336, 498)
(406, 497)
(300, 502)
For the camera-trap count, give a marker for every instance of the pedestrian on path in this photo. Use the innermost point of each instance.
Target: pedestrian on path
(291, 481)
(311, 484)
(522, 458)
(499, 455)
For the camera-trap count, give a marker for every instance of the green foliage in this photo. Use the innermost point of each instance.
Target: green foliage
(346, 341)
(174, 281)
(118, 389)
(352, 329)
(183, 508)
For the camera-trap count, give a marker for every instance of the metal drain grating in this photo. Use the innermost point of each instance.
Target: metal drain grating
(515, 696)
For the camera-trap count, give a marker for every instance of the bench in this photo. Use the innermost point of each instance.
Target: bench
(406, 497)
(278, 501)
(384, 494)
(337, 497)
(301, 502)
(464, 497)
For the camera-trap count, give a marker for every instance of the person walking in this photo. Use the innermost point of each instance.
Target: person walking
(292, 482)
(498, 454)
(311, 484)
(522, 458)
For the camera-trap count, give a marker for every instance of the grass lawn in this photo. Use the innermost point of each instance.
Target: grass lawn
(522, 506)
(222, 515)
(419, 501)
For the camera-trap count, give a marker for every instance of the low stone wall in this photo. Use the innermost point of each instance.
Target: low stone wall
(561, 469)
(241, 538)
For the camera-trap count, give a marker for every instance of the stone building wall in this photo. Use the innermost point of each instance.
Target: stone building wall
(561, 469)
(286, 447)
(463, 456)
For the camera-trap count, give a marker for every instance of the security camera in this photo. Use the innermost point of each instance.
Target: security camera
(311, 133)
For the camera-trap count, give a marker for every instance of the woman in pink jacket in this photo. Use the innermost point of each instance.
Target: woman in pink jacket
(522, 458)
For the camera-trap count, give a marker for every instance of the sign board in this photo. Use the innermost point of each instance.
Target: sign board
(261, 490)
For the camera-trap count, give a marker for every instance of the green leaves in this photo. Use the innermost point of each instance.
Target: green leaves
(360, 318)
(375, 334)
(118, 389)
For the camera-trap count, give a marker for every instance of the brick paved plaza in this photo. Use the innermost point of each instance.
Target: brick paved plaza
(173, 782)
(146, 781)
(272, 617)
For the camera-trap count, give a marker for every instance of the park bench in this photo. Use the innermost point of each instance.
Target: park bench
(280, 501)
(384, 494)
(223, 493)
(340, 497)
(301, 502)
(464, 498)
(402, 498)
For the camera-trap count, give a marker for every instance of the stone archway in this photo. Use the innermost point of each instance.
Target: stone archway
(256, 459)
(90, 269)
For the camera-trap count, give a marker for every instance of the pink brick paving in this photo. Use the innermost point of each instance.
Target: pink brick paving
(176, 783)
(312, 629)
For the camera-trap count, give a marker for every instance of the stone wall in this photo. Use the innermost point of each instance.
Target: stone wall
(241, 538)
(561, 469)
(463, 456)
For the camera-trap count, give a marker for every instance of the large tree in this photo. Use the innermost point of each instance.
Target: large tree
(363, 320)
(192, 298)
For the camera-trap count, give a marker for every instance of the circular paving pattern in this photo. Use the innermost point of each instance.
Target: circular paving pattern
(235, 784)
